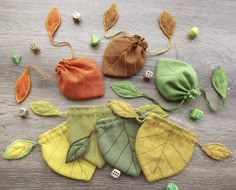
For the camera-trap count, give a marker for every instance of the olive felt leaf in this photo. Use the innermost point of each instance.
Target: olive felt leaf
(19, 149)
(126, 89)
(220, 82)
(167, 23)
(54, 146)
(216, 150)
(110, 16)
(23, 85)
(116, 139)
(122, 109)
(163, 148)
(44, 108)
(53, 21)
(77, 149)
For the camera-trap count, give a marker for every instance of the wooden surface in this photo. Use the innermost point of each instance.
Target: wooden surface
(22, 22)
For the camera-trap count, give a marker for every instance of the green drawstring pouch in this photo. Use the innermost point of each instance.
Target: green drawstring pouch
(178, 81)
(116, 135)
(81, 122)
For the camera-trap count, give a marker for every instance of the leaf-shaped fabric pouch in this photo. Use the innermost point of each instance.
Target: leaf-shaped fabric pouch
(78, 77)
(54, 146)
(163, 148)
(176, 80)
(81, 122)
(124, 56)
(116, 138)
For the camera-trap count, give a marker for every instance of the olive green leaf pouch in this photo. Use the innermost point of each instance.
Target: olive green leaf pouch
(81, 122)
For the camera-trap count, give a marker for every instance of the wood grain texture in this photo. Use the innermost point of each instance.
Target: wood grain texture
(22, 22)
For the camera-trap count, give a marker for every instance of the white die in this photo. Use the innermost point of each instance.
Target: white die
(115, 173)
(76, 16)
(148, 75)
(35, 47)
(23, 112)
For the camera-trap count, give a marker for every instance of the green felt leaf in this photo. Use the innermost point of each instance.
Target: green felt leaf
(77, 149)
(44, 108)
(19, 149)
(176, 80)
(126, 89)
(116, 140)
(220, 81)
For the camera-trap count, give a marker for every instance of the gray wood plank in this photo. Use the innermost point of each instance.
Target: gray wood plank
(22, 22)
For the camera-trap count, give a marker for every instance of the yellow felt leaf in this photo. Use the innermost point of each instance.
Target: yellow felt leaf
(167, 23)
(216, 150)
(54, 146)
(44, 108)
(163, 148)
(110, 16)
(18, 149)
(122, 109)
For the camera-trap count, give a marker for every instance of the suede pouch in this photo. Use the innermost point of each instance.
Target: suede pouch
(124, 56)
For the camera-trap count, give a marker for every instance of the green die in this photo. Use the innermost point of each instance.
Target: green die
(196, 114)
(16, 58)
(94, 40)
(172, 186)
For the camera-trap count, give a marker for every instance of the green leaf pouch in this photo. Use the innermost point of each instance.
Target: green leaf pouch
(81, 123)
(178, 81)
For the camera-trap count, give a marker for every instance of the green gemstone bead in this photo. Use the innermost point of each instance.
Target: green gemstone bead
(16, 58)
(193, 33)
(196, 114)
(172, 186)
(94, 40)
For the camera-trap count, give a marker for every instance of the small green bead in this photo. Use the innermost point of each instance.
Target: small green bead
(172, 186)
(193, 33)
(16, 58)
(196, 114)
(94, 40)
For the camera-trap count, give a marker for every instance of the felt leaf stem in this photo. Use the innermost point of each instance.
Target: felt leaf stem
(44, 108)
(23, 85)
(19, 149)
(216, 151)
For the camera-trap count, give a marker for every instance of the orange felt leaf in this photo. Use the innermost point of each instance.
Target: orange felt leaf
(110, 16)
(167, 23)
(53, 21)
(23, 85)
